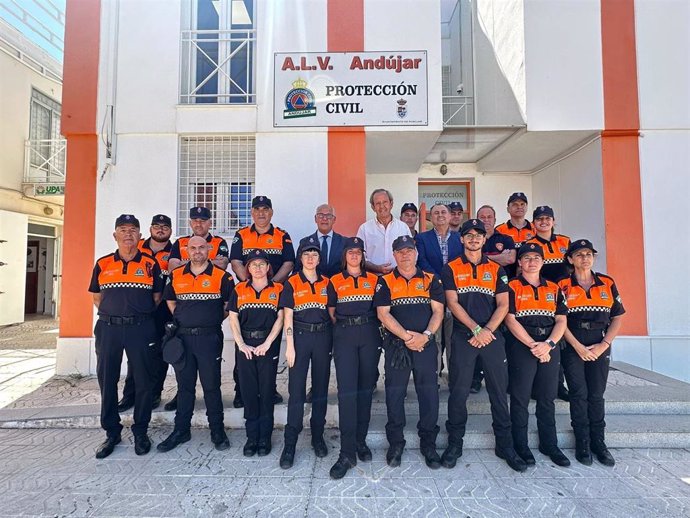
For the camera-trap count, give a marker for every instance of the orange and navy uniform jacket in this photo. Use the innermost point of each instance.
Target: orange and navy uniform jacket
(596, 306)
(410, 301)
(476, 285)
(162, 256)
(257, 310)
(519, 235)
(535, 306)
(275, 242)
(199, 299)
(555, 267)
(126, 287)
(219, 248)
(308, 301)
(352, 296)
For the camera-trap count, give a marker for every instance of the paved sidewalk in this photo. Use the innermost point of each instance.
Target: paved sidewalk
(54, 473)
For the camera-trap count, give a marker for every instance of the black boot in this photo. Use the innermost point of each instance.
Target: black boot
(173, 440)
(602, 452)
(171, 405)
(341, 467)
(583, 453)
(525, 454)
(107, 447)
(287, 458)
(451, 455)
(512, 458)
(220, 439)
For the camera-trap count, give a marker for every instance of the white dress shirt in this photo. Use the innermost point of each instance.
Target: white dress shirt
(378, 240)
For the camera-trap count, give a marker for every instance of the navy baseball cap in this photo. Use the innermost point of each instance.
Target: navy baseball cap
(161, 219)
(127, 219)
(530, 248)
(254, 255)
(455, 205)
(199, 213)
(543, 210)
(402, 242)
(261, 201)
(517, 196)
(308, 244)
(578, 244)
(408, 206)
(472, 224)
(353, 243)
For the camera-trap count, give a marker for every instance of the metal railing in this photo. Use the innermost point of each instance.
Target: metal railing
(44, 161)
(218, 67)
(458, 110)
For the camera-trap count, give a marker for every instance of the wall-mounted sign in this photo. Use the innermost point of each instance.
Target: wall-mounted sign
(49, 189)
(350, 89)
(431, 193)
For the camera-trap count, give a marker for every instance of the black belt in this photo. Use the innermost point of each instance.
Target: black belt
(538, 331)
(589, 325)
(257, 335)
(355, 321)
(312, 328)
(124, 321)
(194, 331)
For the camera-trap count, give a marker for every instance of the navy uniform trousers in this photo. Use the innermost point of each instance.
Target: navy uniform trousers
(160, 368)
(424, 370)
(257, 377)
(310, 348)
(203, 356)
(529, 376)
(463, 357)
(587, 383)
(139, 342)
(356, 350)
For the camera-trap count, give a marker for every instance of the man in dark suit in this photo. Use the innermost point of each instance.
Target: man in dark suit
(435, 248)
(330, 242)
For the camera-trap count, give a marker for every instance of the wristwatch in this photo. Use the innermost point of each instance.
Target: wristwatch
(552, 344)
(428, 334)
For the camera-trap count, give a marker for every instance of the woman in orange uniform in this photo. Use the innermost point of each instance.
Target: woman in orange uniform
(308, 330)
(536, 320)
(356, 351)
(256, 322)
(595, 314)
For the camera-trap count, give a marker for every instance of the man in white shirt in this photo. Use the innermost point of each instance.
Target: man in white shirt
(379, 233)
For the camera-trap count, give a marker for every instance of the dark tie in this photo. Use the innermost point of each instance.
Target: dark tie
(324, 251)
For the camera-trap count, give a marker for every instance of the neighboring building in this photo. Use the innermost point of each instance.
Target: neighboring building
(172, 104)
(32, 178)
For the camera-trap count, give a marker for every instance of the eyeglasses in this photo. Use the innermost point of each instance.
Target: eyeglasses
(160, 227)
(476, 237)
(322, 215)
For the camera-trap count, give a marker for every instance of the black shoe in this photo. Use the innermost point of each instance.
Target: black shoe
(394, 455)
(156, 402)
(173, 440)
(512, 459)
(125, 404)
(107, 447)
(582, 453)
(363, 452)
(220, 439)
(250, 448)
(451, 455)
(142, 444)
(563, 393)
(476, 386)
(526, 454)
(263, 449)
(603, 454)
(237, 402)
(171, 405)
(277, 398)
(431, 457)
(309, 397)
(557, 457)
(287, 458)
(341, 467)
(320, 448)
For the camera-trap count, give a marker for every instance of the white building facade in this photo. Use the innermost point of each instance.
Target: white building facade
(582, 105)
(32, 178)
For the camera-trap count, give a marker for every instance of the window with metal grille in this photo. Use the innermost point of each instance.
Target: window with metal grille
(44, 131)
(217, 173)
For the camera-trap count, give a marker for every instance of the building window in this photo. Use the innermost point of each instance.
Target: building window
(218, 173)
(44, 132)
(218, 47)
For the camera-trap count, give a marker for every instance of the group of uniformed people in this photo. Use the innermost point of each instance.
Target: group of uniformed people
(514, 303)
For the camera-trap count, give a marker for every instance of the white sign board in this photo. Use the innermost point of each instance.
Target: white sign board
(313, 89)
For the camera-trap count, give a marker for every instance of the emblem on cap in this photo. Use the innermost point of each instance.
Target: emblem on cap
(311, 239)
(356, 240)
(261, 198)
(198, 209)
(541, 208)
(127, 216)
(404, 238)
(475, 222)
(532, 247)
(582, 243)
